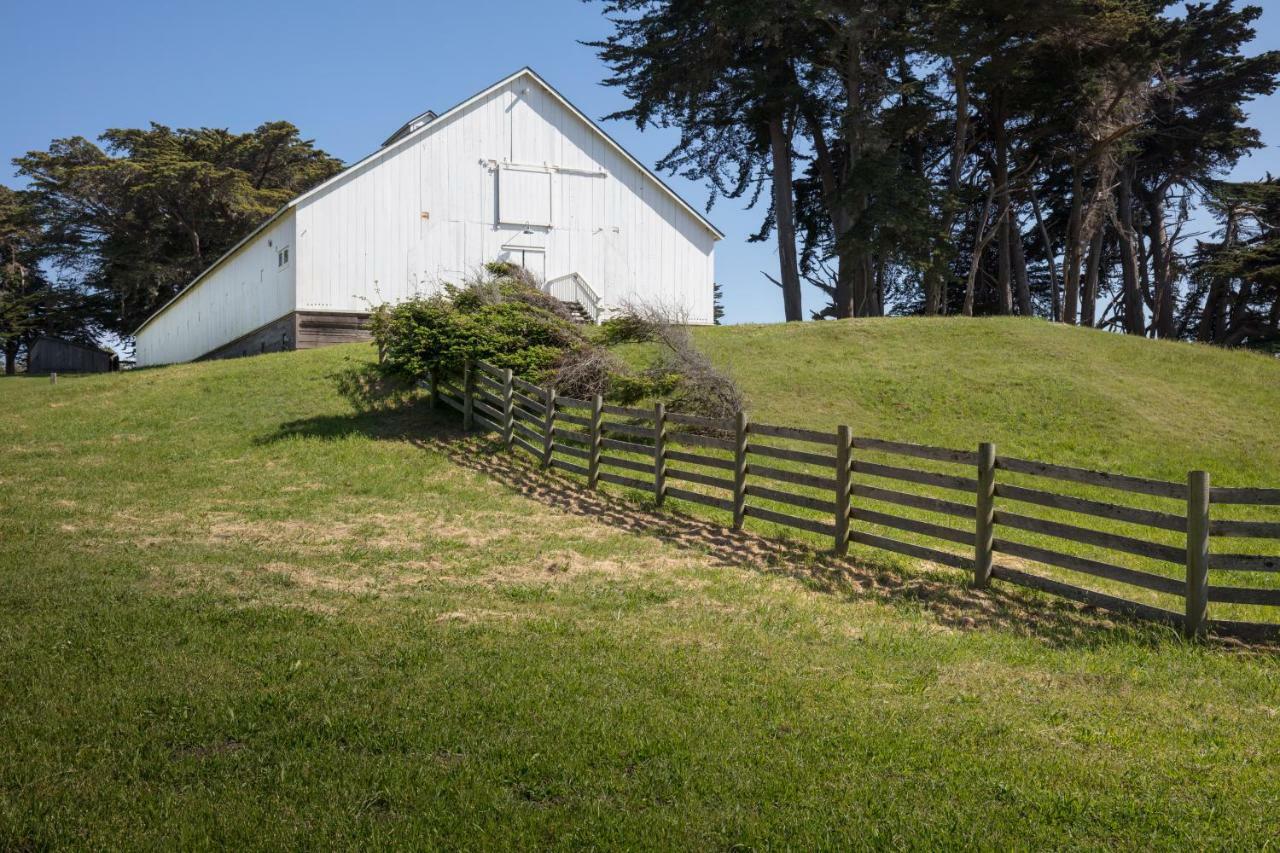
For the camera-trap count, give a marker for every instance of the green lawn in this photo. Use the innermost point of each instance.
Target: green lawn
(235, 611)
(1038, 390)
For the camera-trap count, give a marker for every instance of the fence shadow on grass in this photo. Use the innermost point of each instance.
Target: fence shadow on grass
(941, 592)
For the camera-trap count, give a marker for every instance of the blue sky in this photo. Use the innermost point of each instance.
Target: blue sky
(348, 74)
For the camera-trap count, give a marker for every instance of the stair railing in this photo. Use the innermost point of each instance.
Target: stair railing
(574, 288)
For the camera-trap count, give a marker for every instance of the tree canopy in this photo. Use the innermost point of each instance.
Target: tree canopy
(131, 219)
(971, 156)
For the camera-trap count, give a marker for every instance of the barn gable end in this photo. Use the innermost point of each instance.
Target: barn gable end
(515, 172)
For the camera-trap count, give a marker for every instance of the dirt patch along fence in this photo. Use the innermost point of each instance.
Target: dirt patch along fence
(1150, 556)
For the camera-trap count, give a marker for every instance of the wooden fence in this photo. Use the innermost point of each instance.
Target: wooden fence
(866, 491)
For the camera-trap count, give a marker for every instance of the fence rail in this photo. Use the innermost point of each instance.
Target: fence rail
(826, 483)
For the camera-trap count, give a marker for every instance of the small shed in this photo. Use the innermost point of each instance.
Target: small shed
(54, 355)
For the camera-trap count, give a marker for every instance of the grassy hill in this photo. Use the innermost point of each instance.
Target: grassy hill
(235, 610)
(1036, 389)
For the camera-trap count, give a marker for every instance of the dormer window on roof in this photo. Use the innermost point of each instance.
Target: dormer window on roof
(416, 123)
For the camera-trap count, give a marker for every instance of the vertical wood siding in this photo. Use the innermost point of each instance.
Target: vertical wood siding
(246, 291)
(428, 213)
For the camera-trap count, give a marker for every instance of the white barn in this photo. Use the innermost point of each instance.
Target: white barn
(515, 172)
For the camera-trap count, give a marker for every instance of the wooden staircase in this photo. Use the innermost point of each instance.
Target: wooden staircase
(575, 294)
(579, 313)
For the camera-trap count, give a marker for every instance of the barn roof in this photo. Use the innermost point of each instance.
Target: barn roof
(395, 143)
(77, 344)
(403, 137)
(420, 120)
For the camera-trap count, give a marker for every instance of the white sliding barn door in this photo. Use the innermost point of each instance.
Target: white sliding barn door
(524, 196)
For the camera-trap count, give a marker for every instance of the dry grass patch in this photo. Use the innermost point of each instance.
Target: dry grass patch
(479, 616)
(367, 550)
(320, 590)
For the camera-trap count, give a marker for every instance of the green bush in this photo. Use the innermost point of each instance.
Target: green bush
(626, 328)
(503, 321)
(628, 389)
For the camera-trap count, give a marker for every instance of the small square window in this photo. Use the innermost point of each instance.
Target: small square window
(282, 257)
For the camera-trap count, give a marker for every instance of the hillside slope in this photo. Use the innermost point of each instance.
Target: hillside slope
(1036, 389)
(235, 611)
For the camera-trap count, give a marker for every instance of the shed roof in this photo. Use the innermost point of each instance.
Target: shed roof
(77, 344)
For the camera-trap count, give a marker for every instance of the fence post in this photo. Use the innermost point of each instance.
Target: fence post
(1197, 620)
(549, 427)
(844, 466)
(433, 392)
(986, 507)
(468, 395)
(508, 409)
(741, 432)
(659, 453)
(593, 457)
(53, 378)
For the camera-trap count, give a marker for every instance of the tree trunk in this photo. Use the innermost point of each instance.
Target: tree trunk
(1239, 317)
(1144, 278)
(1134, 317)
(1211, 316)
(863, 277)
(192, 234)
(844, 284)
(1161, 266)
(935, 296)
(785, 216)
(1055, 310)
(982, 239)
(841, 223)
(10, 357)
(934, 289)
(877, 309)
(1000, 179)
(1004, 275)
(863, 282)
(1093, 269)
(1213, 322)
(1071, 261)
(1018, 257)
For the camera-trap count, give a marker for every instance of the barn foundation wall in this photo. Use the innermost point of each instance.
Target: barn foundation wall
(322, 330)
(298, 330)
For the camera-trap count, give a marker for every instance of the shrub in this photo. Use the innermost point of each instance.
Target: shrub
(626, 328)
(500, 319)
(680, 373)
(584, 372)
